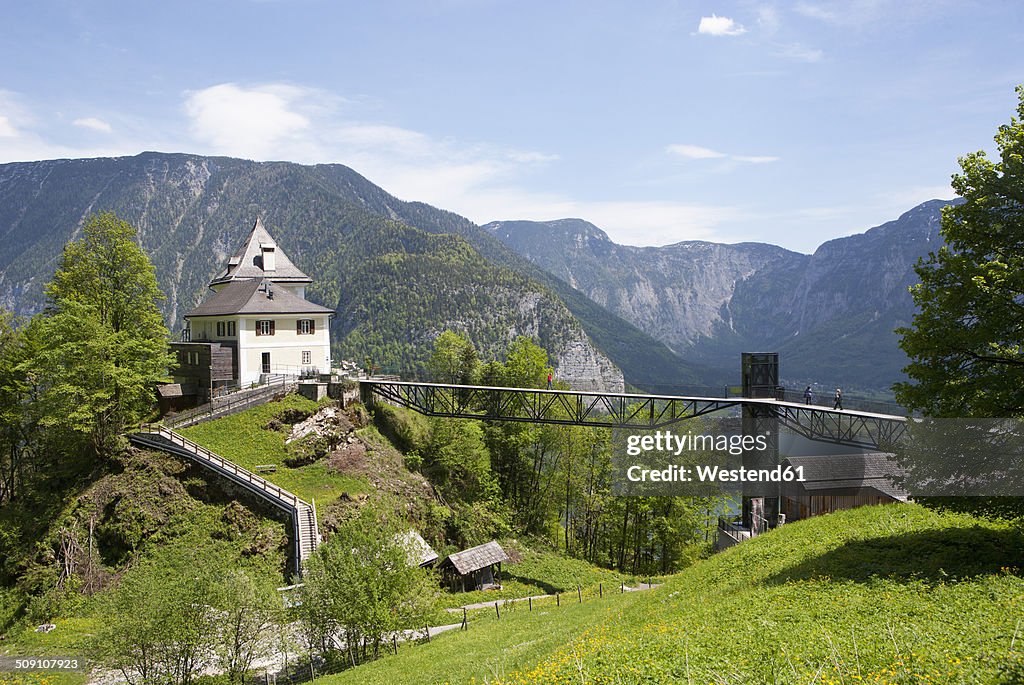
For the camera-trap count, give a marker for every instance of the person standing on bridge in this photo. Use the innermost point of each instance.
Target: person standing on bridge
(839, 400)
(808, 395)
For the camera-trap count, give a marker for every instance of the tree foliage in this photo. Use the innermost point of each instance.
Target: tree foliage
(102, 340)
(966, 342)
(361, 586)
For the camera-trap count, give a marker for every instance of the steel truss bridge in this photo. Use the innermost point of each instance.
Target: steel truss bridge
(624, 410)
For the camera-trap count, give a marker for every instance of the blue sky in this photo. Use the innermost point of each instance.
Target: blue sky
(789, 123)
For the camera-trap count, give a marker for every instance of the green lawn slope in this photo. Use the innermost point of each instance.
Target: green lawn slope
(248, 440)
(896, 594)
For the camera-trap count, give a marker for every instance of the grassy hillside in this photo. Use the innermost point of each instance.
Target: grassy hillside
(896, 594)
(146, 506)
(256, 437)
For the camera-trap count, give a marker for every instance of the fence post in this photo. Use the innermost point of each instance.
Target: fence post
(579, 593)
(531, 603)
(465, 619)
(558, 600)
(427, 630)
(600, 590)
(496, 610)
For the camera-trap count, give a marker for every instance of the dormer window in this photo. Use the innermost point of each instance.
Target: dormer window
(268, 252)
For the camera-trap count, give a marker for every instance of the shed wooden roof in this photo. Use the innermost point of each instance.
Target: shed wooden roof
(476, 558)
(168, 390)
(254, 297)
(850, 471)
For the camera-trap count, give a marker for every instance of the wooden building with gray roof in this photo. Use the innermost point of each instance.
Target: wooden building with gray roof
(477, 568)
(840, 481)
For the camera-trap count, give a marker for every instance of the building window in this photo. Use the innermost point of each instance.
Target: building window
(231, 329)
(305, 327)
(307, 357)
(265, 327)
(220, 329)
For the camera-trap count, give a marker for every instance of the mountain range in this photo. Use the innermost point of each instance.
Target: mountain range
(397, 273)
(830, 314)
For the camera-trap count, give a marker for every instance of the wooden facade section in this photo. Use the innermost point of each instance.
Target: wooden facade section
(840, 481)
(203, 368)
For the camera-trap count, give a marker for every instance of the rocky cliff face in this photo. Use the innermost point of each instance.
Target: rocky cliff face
(831, 314)
(583, 368)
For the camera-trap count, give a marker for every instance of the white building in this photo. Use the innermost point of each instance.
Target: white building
(256, 322)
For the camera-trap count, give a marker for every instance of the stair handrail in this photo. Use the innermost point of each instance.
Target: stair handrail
(262, 483)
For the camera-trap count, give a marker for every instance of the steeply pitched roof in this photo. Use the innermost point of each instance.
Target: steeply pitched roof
(247, 262)
(478, 557)
(849, 471)
(254, 297)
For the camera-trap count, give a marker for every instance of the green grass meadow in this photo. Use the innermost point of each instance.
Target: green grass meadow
(245, 439)
(895, 594)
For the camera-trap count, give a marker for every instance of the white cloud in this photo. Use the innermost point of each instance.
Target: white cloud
(479, 180)
(7, 129)
(693, 152)
(768, 20)
(719, 26)
(904, 198)
(94, 124)
(628, 222)
(698, 152)
(816, 12)
(247, 122)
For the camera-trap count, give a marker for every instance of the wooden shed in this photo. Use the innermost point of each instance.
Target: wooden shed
(477, 568)
(840, 481)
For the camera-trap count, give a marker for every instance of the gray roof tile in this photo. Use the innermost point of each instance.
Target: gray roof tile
(846, 471)
(478, 557)
(247, 262)
(250, 297)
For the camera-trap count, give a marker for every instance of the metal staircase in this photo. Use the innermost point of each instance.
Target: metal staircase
(305, 533)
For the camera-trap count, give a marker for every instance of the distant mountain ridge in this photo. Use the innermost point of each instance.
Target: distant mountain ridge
(397, 273)
(830, 314)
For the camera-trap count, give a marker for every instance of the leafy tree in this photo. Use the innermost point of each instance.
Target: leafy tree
(103, 340)
(458, 461)
(157, 625)
(250, 608)
(454, 359)
(966, 343)
(360, 583)
(13, 391)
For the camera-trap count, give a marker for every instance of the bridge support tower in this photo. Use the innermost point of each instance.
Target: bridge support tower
(760, 373)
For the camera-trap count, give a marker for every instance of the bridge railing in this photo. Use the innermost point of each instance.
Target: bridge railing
(231, 402)
(228, 467)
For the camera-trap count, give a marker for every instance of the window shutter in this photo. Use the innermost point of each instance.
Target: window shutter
(312, 325)
(298, 327)
(271, 326)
